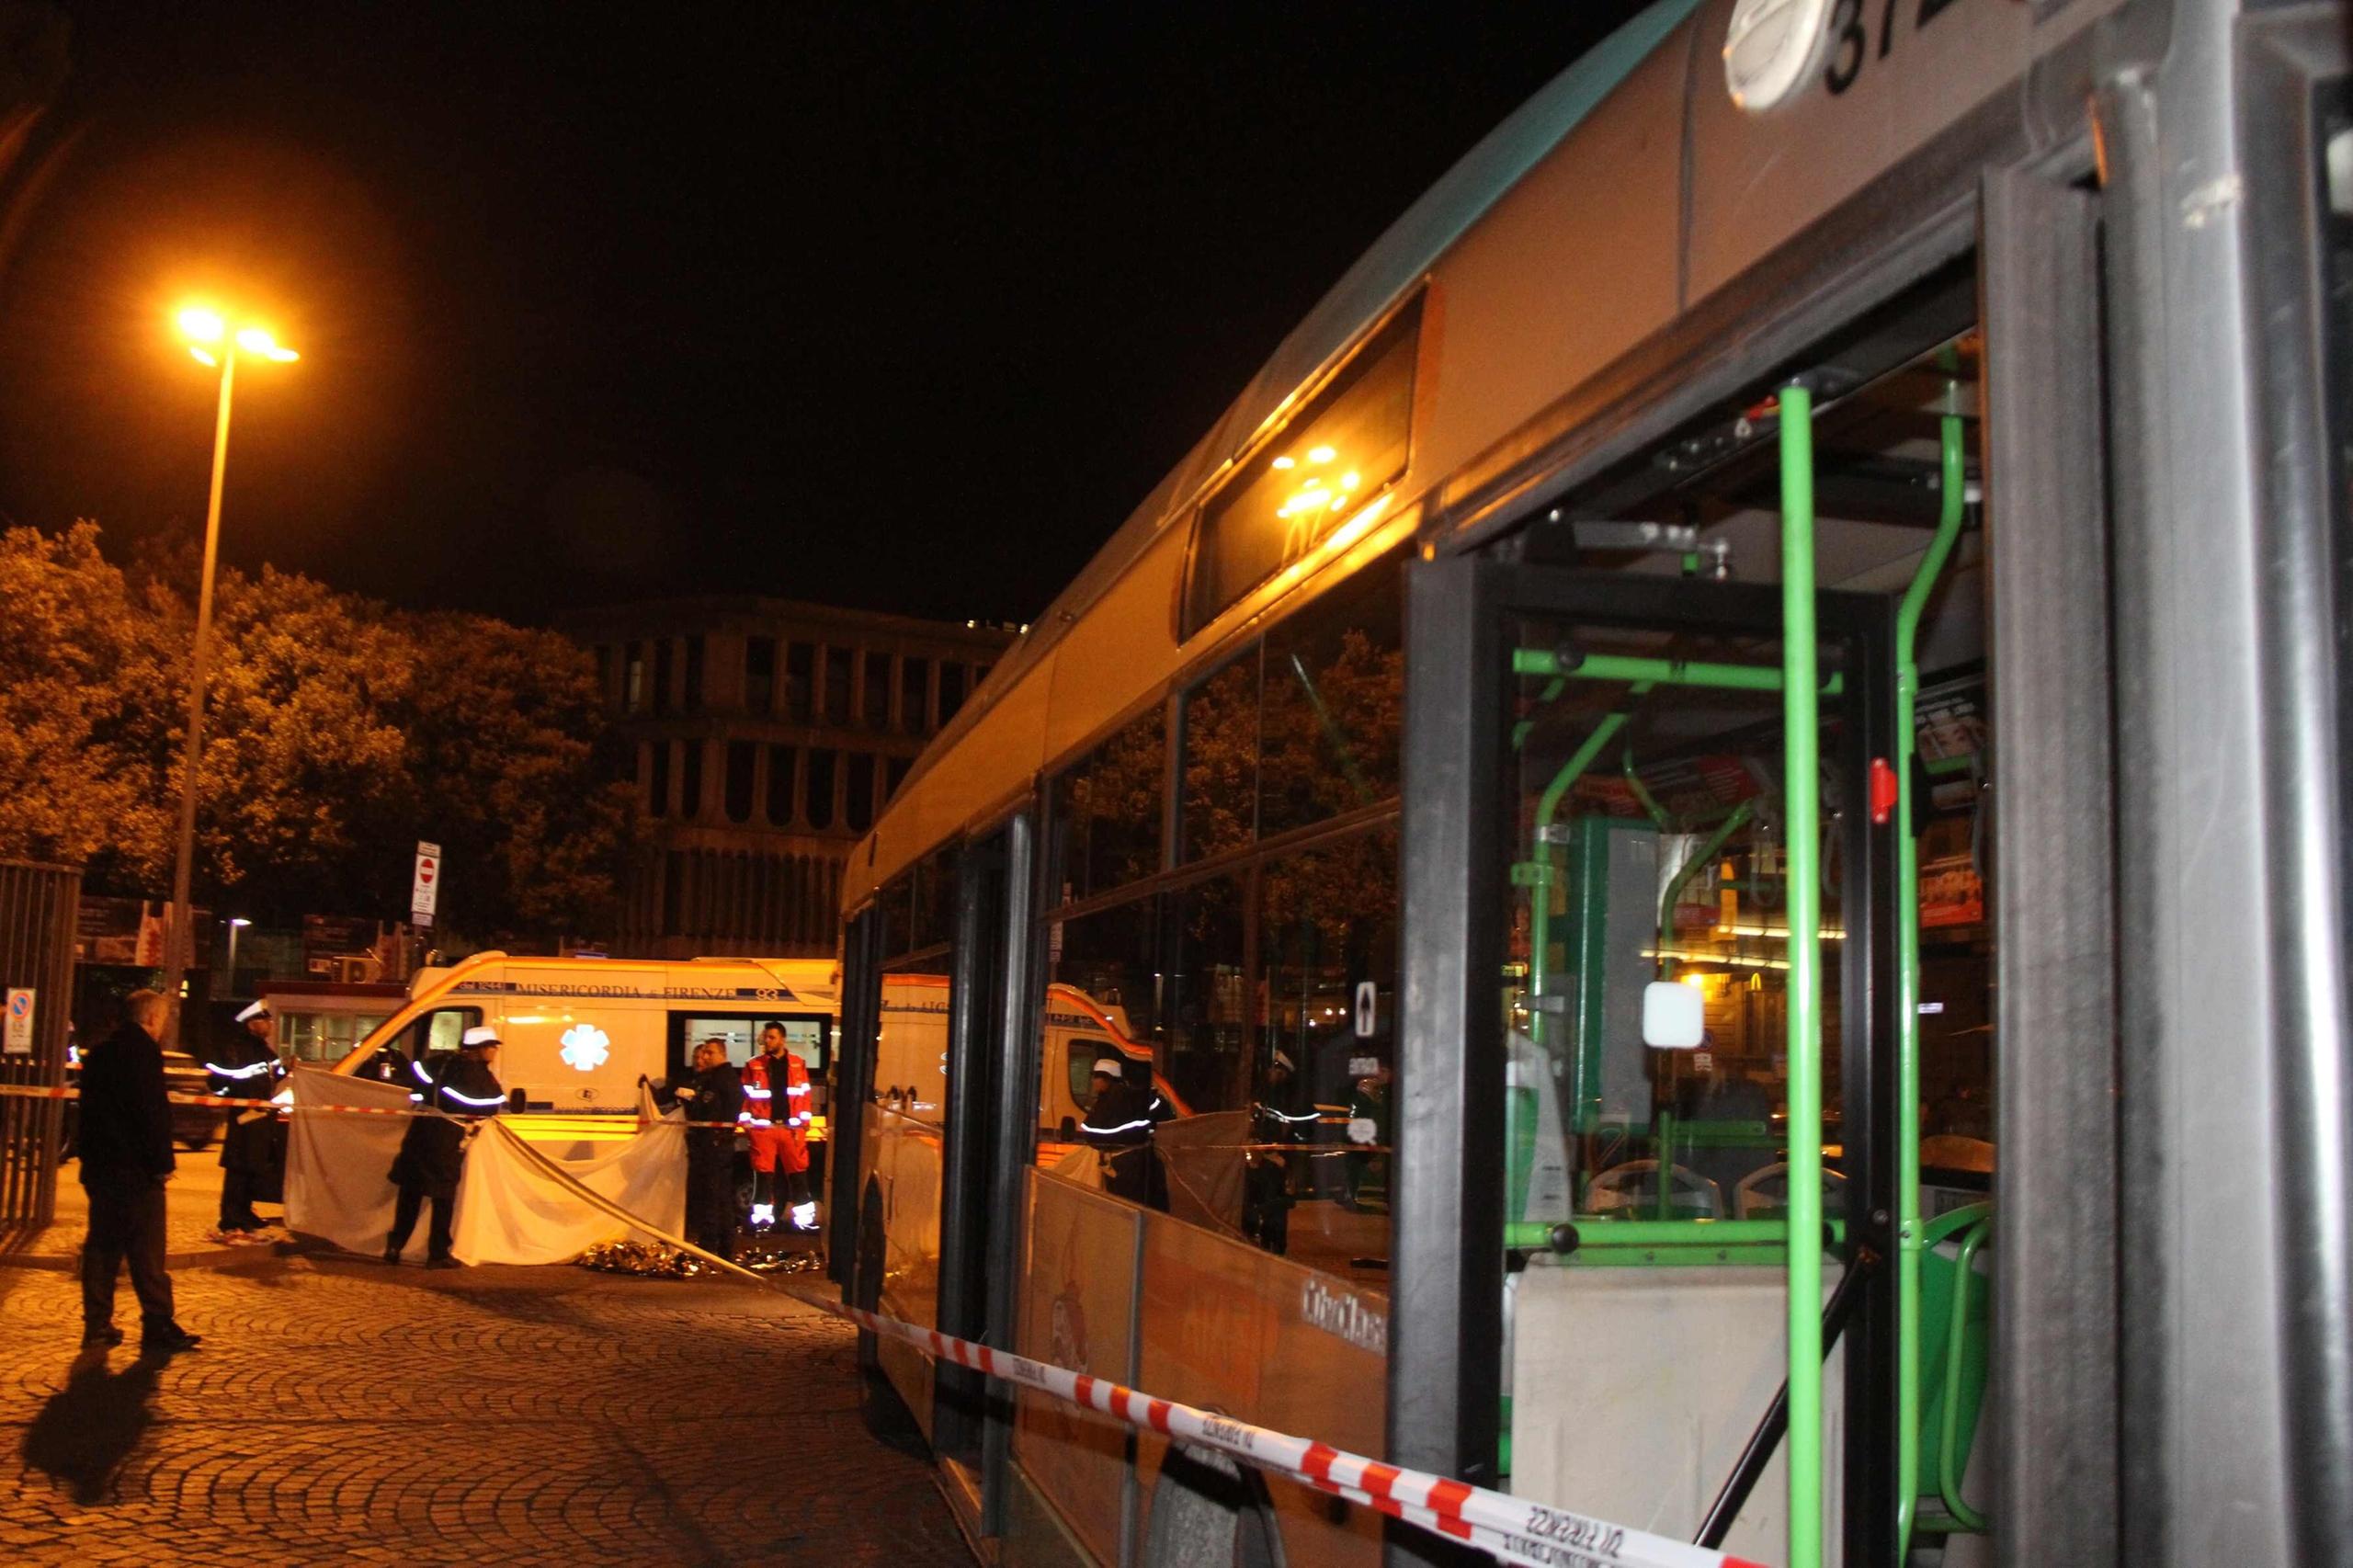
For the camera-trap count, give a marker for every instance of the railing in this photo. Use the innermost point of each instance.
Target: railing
(37, 907)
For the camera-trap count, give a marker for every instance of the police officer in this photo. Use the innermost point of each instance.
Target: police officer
(253, 1147)
(1119, 1125)
(1276, 1128)
(433, 1150)
(713, 1098)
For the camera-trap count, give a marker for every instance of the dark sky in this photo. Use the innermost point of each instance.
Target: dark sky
(897, 307)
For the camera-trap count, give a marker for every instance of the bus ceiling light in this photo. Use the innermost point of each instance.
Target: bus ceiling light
(1770, 48)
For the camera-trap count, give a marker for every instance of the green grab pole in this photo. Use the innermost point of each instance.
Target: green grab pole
(1801, 782)
(1953, 505)
(1705, 853)
(1657, 672)
(1641, 791)
(1956, 1354)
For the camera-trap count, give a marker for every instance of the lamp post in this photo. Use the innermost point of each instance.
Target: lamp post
(212, 343)
(236, 924)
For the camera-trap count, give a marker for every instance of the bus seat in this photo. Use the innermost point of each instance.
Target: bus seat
(1764, 1193)
(1632, 1187)
(1947, 1250)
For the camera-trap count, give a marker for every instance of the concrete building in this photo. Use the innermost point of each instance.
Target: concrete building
(765, 735)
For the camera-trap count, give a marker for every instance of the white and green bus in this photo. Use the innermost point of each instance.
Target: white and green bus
(1722, 791)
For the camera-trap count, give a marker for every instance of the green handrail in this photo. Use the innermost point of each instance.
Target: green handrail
(1657, 672)
(1542, 1235)
(1956, 1346)
(1953, 498)
(1706, 852)
(1641, 791)
(1802, 783)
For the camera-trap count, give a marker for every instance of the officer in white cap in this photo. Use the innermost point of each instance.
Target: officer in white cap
(253, 1142)
(1118, 1124)
(461, 1089)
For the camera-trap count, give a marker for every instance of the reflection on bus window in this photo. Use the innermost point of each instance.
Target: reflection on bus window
(1334, 704)
(1107, 812)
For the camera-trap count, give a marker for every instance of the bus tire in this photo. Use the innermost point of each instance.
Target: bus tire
(1210, 1511)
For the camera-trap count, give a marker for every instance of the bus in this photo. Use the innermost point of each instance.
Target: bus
(1745, 717)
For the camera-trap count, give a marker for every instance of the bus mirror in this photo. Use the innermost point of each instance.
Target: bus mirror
(1068, 1131)
(1673, 1016)
(515, 1101)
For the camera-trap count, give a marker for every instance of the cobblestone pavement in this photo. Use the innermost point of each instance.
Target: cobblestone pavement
(341, 1411)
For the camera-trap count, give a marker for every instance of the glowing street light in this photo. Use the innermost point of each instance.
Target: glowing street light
(213, 345)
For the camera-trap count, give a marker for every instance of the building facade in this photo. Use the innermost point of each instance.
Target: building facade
(763, 736)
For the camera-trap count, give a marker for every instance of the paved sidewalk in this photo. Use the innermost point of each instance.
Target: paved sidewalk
(341, 1411)
(191, 1208)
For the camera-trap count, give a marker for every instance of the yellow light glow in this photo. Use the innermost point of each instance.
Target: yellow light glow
(1321, 454)
(1286, 462)
(1696, 981)
(202, 325)
(1350, 480)
(204, 359)
(1339, 501)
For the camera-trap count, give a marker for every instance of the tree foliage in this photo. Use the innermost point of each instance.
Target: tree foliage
(337, 733)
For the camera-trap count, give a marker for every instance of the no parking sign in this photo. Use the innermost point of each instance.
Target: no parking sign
(19, 1038)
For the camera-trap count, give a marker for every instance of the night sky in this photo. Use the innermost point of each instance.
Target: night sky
(905, 308)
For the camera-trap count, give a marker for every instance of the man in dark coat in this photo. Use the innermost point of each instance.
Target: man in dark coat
(713, 1098)
(1118, 1124)
(126, 1147)
(433, 1150)
(253, 1157)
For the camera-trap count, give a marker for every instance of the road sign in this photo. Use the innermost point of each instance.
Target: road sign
(19, 1039)
(426, 892)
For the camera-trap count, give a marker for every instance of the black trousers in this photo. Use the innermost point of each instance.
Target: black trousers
(126, 1226)
(711, 1194)
(445, 1215)
(238, 1190)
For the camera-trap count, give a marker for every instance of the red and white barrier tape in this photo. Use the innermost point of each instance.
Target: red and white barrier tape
(1511, 1529)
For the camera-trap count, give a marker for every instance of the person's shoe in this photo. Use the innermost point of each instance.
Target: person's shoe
(392, 1255)
(101, 1338)
(443, 1263)
(169, 1342)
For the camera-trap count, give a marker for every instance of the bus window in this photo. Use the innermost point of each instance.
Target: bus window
(1106, 809)
(1654, 856)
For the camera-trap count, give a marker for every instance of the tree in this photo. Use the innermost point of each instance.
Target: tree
(80, 785)
(337, 733)
(503, 725)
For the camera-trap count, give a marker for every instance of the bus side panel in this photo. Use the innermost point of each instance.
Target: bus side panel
(907, 1170)
(1230, 1328)
(1077, 1311)
(1891, 82)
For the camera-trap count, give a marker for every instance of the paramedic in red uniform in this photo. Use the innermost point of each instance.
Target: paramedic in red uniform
(775, 1093)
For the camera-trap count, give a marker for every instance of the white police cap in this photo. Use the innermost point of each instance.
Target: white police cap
(486, 1035)
(1111, 1065)
(258, 1010)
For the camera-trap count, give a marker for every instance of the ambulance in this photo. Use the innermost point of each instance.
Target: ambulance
(578, 1032)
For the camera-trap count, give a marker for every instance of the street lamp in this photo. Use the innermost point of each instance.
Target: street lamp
(215, 345)
(236, 923)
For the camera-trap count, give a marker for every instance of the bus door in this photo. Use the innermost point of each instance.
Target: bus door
(988, 1123)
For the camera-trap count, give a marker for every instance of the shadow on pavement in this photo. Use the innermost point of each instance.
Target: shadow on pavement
(89, 1426)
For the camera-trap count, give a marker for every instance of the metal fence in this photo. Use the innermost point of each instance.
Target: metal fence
(38, 906)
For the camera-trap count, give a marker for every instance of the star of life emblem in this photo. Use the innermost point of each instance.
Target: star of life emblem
(584, 1047)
